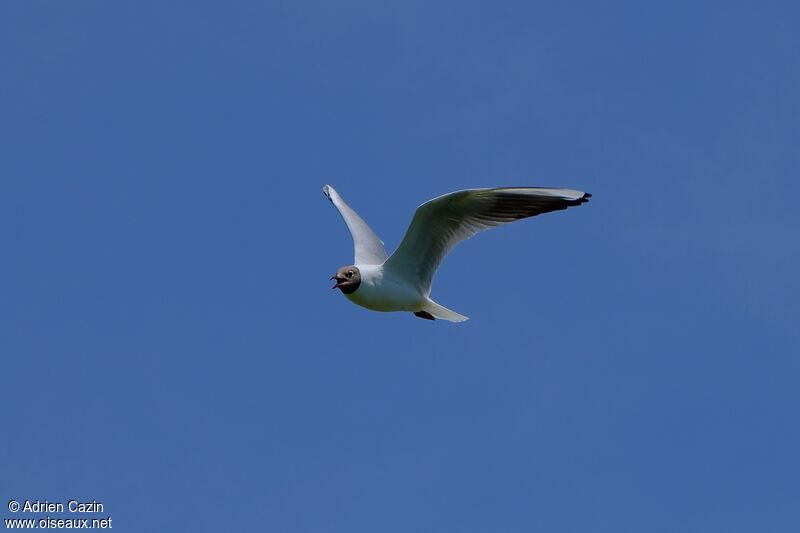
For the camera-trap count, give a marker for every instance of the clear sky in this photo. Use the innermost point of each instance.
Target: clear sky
(170, 345)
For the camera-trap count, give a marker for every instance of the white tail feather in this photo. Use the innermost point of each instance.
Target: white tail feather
(444, 313)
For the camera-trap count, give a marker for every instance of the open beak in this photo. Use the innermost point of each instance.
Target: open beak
(338, 281)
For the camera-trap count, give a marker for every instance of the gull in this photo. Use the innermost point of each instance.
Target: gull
(402, 281)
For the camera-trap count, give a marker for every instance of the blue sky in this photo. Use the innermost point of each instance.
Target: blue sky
(170, 345)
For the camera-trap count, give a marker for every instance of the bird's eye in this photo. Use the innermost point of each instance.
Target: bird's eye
(349, 273)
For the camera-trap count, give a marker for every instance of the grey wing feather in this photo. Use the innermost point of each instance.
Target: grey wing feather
(440, 224)
(369, 248)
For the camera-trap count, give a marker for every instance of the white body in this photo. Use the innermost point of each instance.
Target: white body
(381, 291)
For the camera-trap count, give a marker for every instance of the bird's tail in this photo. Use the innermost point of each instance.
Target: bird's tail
(442, 312)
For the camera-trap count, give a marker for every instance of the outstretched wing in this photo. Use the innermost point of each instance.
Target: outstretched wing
(441, 223)
(369, 248)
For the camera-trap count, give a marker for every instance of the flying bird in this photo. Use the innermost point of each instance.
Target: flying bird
(402, 281)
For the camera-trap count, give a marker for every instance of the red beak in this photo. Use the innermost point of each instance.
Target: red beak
(336, 285)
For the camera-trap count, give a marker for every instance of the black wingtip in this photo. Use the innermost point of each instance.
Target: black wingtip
(580, 201)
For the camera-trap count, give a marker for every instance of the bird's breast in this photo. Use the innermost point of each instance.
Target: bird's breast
(379, 293)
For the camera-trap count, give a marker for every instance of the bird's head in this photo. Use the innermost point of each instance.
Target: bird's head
(348, 278)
